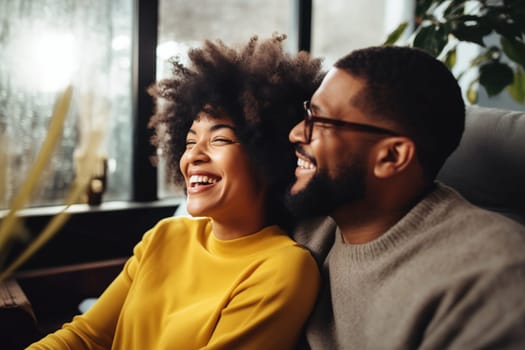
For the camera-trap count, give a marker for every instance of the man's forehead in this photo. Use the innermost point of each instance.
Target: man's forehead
(337, 91)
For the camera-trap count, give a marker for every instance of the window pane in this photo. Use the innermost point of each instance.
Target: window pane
(44, 46)
(339, 26)
(184, 24)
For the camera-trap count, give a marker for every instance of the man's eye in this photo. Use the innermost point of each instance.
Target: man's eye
(323, 124)
(221, 141)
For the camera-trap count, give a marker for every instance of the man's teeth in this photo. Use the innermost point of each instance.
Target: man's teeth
(196, 179)
(301, 163)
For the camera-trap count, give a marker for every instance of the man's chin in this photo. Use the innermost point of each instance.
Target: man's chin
(321, 195)
(295, 189)
(301, 183)
(305, 200)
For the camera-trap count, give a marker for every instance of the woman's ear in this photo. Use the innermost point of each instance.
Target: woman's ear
(394, 154)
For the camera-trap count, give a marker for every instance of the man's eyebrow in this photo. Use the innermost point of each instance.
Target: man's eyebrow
(314, 107)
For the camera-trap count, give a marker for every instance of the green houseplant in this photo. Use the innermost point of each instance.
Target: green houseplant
(441, 25)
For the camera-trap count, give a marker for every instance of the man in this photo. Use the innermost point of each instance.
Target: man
(412, 264)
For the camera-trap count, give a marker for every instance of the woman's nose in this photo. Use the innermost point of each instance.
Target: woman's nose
(198, 152)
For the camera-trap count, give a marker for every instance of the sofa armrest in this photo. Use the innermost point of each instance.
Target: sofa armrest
(17, 320)
(56, 292)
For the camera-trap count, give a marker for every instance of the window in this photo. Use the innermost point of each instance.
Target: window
(44, 46)
(183, 25)
(340, 26)
(103, 48)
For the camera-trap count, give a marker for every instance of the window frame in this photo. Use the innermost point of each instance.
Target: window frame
(97, 224)
(144, 174)
(145, 26)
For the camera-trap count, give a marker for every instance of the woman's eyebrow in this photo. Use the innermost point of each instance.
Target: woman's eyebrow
(222, 126)
(214, 128)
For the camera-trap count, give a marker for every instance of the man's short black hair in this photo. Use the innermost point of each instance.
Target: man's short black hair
(415, 91)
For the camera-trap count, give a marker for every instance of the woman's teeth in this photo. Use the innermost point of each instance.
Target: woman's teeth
(202, 179)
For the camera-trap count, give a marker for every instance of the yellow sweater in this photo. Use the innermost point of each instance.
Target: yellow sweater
(185, 289)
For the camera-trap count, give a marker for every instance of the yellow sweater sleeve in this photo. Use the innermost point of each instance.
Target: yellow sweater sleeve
(95, 329)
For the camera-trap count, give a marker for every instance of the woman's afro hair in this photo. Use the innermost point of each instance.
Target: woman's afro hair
(258, 86)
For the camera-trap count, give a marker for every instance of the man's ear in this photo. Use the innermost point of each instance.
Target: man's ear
(394, 154)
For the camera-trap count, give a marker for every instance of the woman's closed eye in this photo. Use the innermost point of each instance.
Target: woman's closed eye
(190, 144)
(216, 141)
(222, 141)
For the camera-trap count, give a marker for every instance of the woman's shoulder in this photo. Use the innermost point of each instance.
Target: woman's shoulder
(292, 269)
(282, 245)
(291, 257)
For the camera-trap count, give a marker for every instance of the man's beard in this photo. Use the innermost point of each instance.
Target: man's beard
(323, 195)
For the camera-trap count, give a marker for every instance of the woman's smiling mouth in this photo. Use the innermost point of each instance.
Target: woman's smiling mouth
(201, 180)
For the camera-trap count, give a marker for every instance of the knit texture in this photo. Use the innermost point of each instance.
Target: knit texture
(448, 275)
(185, 289)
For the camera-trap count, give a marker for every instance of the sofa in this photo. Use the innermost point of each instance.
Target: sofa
(488, 168)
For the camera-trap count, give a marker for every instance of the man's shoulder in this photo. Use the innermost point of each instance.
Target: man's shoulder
(466, 216)
(455, 237)
(316, 234)
(445, 205)
(444, 195)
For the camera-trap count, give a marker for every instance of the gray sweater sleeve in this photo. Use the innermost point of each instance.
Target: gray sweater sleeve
(481, 312)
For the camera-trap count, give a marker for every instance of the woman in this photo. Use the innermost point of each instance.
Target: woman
(230, 277)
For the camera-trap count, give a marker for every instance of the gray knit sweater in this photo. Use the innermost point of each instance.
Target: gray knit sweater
(448, 275)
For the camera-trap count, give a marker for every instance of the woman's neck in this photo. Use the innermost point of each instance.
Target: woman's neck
(226, 229)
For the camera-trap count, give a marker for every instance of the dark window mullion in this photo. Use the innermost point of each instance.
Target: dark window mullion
(145, 24)
(304, 15)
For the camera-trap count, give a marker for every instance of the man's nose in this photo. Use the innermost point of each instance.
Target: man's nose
(296, 135)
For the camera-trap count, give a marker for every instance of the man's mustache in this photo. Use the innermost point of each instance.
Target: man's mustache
(299, 149)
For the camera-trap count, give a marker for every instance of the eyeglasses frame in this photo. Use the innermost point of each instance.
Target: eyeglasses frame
(310, 119)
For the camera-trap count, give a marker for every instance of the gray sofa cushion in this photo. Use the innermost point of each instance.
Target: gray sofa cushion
(488, 167)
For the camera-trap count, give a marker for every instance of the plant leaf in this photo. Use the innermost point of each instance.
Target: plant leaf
(515, 50)
(502, 21)
(394, 36)
(41, 161)
(517, 89)
(432, 39)
(451, 58)
(516, 9)
(495, 76)
(422, 6)
(471, 28)
(491, 54)
(454, 8)
(472, 92)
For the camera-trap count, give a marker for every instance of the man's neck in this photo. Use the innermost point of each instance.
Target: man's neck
(366, 220)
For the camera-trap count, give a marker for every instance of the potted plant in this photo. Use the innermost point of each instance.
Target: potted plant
(441, 25)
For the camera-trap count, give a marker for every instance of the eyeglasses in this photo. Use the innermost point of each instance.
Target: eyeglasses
(310, 120)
